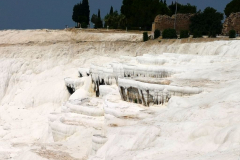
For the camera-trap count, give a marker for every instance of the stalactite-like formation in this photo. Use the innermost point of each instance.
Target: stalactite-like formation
(74, 84)
(146, 93)
(142, 82)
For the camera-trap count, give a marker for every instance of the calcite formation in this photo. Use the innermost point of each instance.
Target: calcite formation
(147, 93)
(73, 84)
(141, 82)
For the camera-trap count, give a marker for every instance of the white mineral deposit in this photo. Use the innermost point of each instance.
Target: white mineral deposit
(68, 95)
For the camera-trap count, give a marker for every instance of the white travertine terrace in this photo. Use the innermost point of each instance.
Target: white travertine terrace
(97, 142)
(74, 83)
(140, 82)
(146, 93)
(37, 123)
(75, 114)
(151, 60)
(84, 109)
(83, 72)
(147, 71)
(102, 73)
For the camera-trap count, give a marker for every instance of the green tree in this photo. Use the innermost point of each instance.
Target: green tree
(111, 10)
(141, 13)
(86, 10)
(232, 7)
(115, 21)
(207, 22)
(188, 9)
(169, 33)
(81, 13)
(76, 12)
(232, 34)
(182, 8)
(197, 34)
(127, 10)
(184, 34)
(145, 36)
(94, 20)
(99, 23)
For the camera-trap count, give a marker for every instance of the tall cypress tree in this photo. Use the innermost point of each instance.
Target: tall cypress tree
(99, 14)
(81, 13)
(111, 11)
(86, 10)
(99, 23)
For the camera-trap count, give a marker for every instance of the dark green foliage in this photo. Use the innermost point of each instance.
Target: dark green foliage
(207, 22)
(157, 34)
(232, 7)
(182, 8)
(115, 21)
(145, 36)
(99, 23)
(96, 20)
(141, 13)
(197, 34)
(86, 10)
(169, 34)
(232, 34)
(81, 12)
(184, 34)
(111, 10)
(84, 25)
(212, 34)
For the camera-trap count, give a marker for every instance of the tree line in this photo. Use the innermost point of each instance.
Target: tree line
(139, 14)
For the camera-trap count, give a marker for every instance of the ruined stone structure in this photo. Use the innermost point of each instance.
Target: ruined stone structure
(162, 22)
(232, 22)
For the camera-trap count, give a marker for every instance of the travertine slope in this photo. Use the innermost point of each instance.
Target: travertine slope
(39, 119)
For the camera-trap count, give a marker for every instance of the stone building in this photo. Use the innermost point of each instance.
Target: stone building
(232, 22)
(162, 22)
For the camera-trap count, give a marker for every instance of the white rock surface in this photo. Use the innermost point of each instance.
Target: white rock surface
(36, 123)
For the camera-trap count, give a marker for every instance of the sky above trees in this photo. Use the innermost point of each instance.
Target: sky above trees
(55, 14)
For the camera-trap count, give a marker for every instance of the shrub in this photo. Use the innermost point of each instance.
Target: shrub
(232, 34)
(208, 22)
(169, 33)
(145, 36)
(84, 25)
(197, 34)
(184, 34)
(157, 34)
(212, 34)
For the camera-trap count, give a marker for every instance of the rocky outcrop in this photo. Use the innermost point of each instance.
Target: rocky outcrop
(232, 22)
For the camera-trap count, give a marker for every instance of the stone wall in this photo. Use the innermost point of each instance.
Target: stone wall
(232, 22)
(162, 22)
